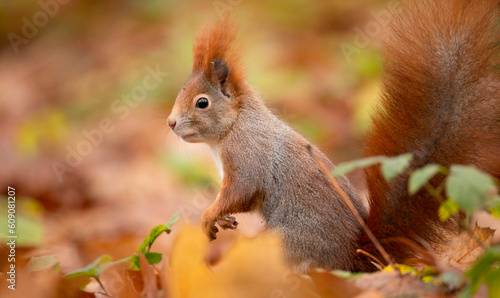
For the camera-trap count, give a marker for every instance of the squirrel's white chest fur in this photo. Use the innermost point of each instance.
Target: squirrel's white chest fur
(215, 152)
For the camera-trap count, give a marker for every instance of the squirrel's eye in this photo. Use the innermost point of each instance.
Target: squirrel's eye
(202, 103)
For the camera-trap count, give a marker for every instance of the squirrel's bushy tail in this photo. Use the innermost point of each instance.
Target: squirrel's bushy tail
(441, 102)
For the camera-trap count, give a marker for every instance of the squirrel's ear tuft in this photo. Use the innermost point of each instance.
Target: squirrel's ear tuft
(216, 54)
(221, 73)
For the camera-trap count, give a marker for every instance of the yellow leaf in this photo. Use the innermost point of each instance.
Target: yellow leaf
(252, 267)
(190, 276)
(406, 269)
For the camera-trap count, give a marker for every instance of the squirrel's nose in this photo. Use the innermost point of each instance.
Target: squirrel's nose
(171, 123)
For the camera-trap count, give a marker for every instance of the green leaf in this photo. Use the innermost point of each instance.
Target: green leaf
(153, 257)
(56, 268)
(465, 293)
(136, 265)
(145, 244)
(81, 273)
(346, 274)
(41, 263)
(124, 260)
(452, 279)
(393, 166)
(421, 176)
(494, 208)
(470, 188)
(29, 226)
(148, 242)
(107, 265)
(173, 220)
(92, 270)
(495, 211)
(492, 280)
(485, 269)
(156, 232)
(447, 209)
(347, 167)
(150, 239)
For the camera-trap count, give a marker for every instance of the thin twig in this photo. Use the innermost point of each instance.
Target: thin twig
(428, 255)
(353, 209)
(365, 253)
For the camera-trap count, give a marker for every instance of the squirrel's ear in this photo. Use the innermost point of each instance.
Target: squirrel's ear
(221, 73)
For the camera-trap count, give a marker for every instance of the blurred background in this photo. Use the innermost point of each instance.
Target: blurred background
(86, 86)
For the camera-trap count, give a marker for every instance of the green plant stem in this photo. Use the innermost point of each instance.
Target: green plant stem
(434, 192)
(102, 286)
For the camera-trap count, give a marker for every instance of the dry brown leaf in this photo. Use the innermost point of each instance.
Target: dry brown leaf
(150, 289)
(134, 278)
(327, 284)
(118, 283)
(370, 294)
(465, 249)
(165, 278)
(29, 285)
(393, 283)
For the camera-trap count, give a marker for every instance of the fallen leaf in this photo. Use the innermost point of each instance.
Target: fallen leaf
(465, 249)
(327, 284)
(150, 289)
(393, 283)
(189, 272)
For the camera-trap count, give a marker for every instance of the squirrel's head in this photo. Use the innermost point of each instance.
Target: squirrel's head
(207, 106)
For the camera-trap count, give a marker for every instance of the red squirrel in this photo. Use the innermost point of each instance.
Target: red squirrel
(441, 102)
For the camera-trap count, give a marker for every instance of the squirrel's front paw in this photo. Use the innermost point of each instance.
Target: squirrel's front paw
(228, 222)
(208, 227)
